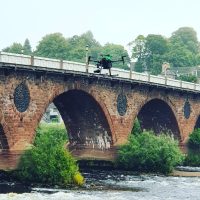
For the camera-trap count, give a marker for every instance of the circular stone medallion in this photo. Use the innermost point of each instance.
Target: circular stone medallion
(187, 109)
(21, 97)
(121, 104)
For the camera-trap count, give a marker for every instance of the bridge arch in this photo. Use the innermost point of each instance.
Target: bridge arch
(84, 119)
(157, 115)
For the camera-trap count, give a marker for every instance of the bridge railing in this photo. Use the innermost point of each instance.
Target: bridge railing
(19, 59)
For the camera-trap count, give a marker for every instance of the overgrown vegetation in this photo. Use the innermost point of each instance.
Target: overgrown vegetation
(48, 161)
(136, 127)
(193, 156)
(194, 139)
(147, 152)
(181, 49)
(188, 78)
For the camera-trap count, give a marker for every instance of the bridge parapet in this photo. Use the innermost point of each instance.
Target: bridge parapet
(63, 66)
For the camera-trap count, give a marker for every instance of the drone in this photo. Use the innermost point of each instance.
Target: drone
(104, 63)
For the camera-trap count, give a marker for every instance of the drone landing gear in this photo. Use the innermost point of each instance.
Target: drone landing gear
(97, 71)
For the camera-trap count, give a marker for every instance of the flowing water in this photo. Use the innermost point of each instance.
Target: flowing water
(111, 185)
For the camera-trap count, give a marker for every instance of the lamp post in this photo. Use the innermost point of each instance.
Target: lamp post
(130, 46)
(86, 57)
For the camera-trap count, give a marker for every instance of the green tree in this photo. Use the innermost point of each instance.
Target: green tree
(76, 47)
(187, 37)
(150, 53)
(155, 48)
(14, 48)
(27, 48)
(179, 56)
(184, 48)
(138, 52)
(52, 46)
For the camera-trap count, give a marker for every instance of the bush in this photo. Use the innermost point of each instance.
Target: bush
(192, 158)
(136, 127)
(48, 161)
(189, 78)
(149, 153)
(194, 139)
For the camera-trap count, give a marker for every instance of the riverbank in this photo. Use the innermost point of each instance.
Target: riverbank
(185, 173)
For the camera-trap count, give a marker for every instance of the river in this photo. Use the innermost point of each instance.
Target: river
(111, 185)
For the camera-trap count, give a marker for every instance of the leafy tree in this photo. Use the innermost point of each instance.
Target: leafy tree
(77, 44)
(27, 48)
(184, 48)
(138, 52)
(187, 37)
(179, 56)
(180, 50)
(150, 53)
(155, 47)
(52, 46)
(14, 48)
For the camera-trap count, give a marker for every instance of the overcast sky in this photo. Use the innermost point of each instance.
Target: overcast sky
(114, 21)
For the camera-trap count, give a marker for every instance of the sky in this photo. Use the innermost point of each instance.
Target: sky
(113, 21)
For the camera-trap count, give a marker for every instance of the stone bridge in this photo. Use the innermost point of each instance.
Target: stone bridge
(98, 110)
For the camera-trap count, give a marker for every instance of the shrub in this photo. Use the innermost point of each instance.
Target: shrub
(192, 158)
(194, 139)
(78, 179)
(136, 127)
(150, 153)
(48, 161)
(188, 78)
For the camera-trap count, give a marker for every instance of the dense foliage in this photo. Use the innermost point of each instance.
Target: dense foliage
(182, 49)
(136, 127)
(188, 78)
(14, 48)
(150, 153)
(194, 139)
(192, 158)
(193, 155)
(19, 48)
(48, 161)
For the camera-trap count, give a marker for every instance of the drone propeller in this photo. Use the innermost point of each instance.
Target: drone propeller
(90, 59)
(122, 59)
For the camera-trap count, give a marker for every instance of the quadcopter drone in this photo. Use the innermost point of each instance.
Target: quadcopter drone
(104, 63)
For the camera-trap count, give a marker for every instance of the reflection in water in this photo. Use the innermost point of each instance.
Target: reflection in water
(118, 186)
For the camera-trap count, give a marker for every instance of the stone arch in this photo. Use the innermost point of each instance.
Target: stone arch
(157, 115)
(84, 119)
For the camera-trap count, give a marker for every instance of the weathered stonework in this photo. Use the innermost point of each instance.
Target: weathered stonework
(89, 106)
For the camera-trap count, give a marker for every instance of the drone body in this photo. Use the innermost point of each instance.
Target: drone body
(104, 63)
